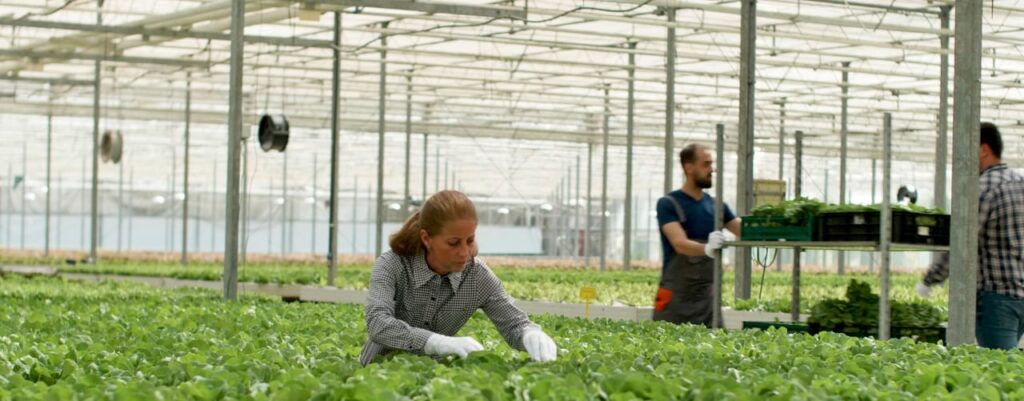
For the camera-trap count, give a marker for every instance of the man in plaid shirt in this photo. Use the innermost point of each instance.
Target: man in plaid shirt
(1000, 313)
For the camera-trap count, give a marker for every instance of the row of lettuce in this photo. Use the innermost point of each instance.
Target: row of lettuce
(122, 341)
(633, 288)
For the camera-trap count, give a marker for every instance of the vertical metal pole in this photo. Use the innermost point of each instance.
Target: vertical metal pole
(198, 219)
(288, 211)
(425, 160)
(782, 160)
(627, 238)
(332, 231)
(408, 143)
(782, 139)
(81, 196)
(131, 206)
(437, 168)
(942, 143)
(590, 212)
(284, 207)
(369, 212)
(670, 99)
(885, 229)
(963, 261)
(874, 185)
(94, 216)
(231, 205)
(49, 188)
(716, 307)
(244, 200)
(576, 206)
(185, 188)
(380, 141)
(745, 152)
(213, 214)
(604, 181)
(59, 209)
(843, 133)
(797, 252)
(313, 221)
(120, 203)
(10, 208)
(24, 188)
(172, 200)
(446, 175)
(355, 211)
(270, 219)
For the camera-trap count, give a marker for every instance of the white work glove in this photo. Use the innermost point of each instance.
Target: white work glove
(715, 240)
(728, 235)
(540, 347)
(923, 290)
(443, 345)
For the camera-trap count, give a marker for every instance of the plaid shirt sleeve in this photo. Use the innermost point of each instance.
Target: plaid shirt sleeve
(498, 305)
(383, 327)
(938, 273)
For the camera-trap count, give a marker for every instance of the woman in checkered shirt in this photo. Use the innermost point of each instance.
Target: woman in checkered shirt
(430, 283)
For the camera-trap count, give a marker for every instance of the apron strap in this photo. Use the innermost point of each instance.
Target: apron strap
(679, 209)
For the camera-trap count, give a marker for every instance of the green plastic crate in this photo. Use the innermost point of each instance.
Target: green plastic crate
(772, 228)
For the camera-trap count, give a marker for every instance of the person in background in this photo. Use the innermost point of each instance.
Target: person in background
(999, 322)
(428, 285)
(689, 241)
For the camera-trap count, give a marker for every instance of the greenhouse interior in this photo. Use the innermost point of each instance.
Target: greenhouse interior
(511, 199)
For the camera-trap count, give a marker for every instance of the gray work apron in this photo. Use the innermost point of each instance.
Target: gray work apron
(686, 291)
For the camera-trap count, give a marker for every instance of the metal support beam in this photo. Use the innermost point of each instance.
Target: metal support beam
(627, 238)
(432, 7)
(332, 232)
(576, 206)
(185, 187)
(284, 206)
(942, 142)
(604, 180)
(590, 212)
(49, 187)
(782, 159)
(794, 306)
(244, 199)
(153, 33)
(408, 144)
(24, 189)
(885, 229)
(231, 205)
(670, 99)
(843, 134)
(213, 209)
(315, 219)
(716, 306)
(745, 151)
(94, 194)
(382, 99)
(120, 204)
(963, 252)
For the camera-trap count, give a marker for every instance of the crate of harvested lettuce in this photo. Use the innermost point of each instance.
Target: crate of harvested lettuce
(911, 224)
(792, 220)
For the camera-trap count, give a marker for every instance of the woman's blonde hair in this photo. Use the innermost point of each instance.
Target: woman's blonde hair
(440, 209)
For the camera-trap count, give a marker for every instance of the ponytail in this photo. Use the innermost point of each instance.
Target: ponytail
(406, 241)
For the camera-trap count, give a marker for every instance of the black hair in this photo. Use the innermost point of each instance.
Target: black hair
(990, 136)
(689, 153)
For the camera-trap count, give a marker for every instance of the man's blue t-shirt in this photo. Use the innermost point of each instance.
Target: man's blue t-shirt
(698, 223)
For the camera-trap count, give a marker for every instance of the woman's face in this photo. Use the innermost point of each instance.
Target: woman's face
(450, 249)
